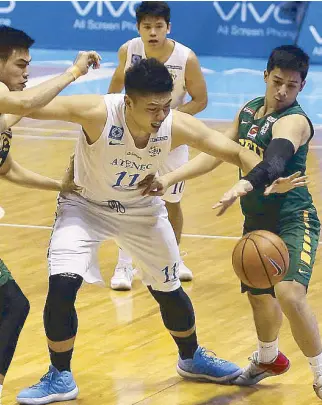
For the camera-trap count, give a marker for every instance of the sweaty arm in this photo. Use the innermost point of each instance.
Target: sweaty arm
(190, 131)
(88, 110)
(22, 103)
(117, 81)
(202, 163)
(196, 87)
(14, 173)
(289, 133)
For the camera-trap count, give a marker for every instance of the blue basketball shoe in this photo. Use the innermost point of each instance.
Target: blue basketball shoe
(205, 365)
(54, 386)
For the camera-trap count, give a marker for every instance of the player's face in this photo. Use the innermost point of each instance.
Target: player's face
(153, 31)
(14, 71)
(282, 87)
(148, 112)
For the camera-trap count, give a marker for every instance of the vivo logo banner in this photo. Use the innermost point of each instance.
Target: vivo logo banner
(220, 28)
(310, 37)
(247, 11)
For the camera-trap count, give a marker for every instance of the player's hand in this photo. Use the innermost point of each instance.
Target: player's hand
(85, 59)
(67, 183)
(153, 185)
(239, 189)
(285, 184)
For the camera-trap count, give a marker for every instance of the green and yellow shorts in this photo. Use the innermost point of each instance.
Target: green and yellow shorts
(301, 233)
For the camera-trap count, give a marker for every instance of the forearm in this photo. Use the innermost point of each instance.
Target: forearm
(193, 107)
(248, 160)
(26, 178)
(116, 86)
(37, 96)
(201, 164)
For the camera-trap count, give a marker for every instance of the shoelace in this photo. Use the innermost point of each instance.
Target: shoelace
(212, 358)
(116, 205)
(254, 358)
(47, 377)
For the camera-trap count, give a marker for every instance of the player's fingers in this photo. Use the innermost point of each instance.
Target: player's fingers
(302, 178)
(294, 175)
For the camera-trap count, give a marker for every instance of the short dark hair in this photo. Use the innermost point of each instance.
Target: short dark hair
(289, 57)
(10, 39)
(153, 9)
(147, 76)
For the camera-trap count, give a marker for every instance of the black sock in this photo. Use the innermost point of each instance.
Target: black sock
(187, 345)
(61, 360)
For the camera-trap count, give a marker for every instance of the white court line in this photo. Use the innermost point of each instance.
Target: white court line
(187, 235)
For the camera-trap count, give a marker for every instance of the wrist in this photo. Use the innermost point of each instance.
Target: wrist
(247, 185)
(75, 71)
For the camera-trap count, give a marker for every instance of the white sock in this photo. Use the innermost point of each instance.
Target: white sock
(267, 351)
(124, 257)
(1, 386)
(316, 365)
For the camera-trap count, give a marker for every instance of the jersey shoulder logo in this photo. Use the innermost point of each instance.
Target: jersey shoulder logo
(135, 58)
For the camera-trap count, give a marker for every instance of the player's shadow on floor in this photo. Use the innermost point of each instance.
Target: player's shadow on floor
(237, 397)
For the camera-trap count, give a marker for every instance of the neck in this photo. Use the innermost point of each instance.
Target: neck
(266, 109)
(160, 53)
(134, 129)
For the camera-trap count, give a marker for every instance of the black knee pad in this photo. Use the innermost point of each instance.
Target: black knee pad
(176, 309)
(60, 318)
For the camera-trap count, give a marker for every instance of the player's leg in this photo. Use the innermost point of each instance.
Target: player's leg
(14, 309)
(172, 198)
(266, 361)
(302, 237)
(154, 247)
(72, 258)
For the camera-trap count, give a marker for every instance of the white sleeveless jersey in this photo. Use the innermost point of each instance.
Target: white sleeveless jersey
(111, 168)
(176, 65)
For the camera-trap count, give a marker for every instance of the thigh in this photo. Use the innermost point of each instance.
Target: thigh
(75, 239)
(176, 158)
(301, 236)
(153, 244)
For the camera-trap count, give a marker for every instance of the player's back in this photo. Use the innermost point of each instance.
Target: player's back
(111, 168)
(176, 64)
(256, 134)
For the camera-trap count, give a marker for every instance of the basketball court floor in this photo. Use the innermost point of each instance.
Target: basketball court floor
(123, 354)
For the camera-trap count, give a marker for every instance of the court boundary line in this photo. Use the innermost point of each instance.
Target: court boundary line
(186, 235)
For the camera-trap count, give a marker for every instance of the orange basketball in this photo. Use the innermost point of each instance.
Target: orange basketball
(260, 259)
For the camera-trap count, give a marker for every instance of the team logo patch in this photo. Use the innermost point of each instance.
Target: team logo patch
(271, 119)
(159, 139)
(253, 131)
(135, 58)
(116, 133)
(154, 151)
(265, 128)
(249, 110)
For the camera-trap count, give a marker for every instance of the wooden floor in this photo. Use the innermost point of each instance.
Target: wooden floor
(123, 354)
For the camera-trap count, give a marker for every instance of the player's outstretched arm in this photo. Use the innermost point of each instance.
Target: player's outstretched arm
(196, 87)
(289, 133)
(22, 103)
(201, 164)
(117, 81)
(190, 131)
(14, 173)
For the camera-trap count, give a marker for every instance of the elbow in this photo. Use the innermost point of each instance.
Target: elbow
(202, 103)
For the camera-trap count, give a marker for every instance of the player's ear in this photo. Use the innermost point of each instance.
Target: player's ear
(128, 101)
(302, 85)
(169, 28)
(138, 27)
(265, 76)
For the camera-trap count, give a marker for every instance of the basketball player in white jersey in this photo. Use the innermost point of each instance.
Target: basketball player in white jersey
(153, 23)
(124, 138)
(14, 61)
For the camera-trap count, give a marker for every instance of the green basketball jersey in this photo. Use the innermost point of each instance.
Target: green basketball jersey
(256, 134)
